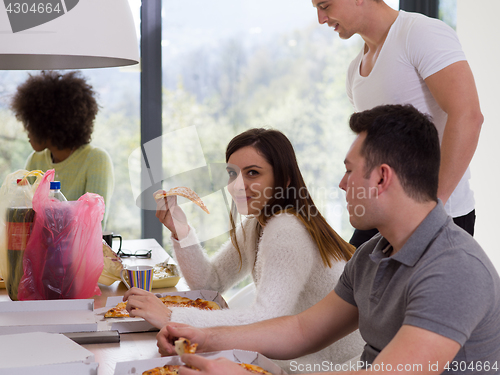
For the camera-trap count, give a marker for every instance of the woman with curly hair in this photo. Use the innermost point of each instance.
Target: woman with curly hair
(58, 112)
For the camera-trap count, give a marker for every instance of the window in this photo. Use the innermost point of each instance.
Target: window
(117, 130)
(448, 12)
(229, 66)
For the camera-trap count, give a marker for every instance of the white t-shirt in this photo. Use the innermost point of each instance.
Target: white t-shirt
(415, 48)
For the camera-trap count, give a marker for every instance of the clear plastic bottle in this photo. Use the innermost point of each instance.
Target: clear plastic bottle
(57, 241)
(55, 191)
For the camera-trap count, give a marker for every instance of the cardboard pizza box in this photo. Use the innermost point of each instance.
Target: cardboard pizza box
(126, 325)
(238, 356)
(58, 316)
(45, 354)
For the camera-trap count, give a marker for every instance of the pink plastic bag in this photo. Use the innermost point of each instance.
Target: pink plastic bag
(63, 257)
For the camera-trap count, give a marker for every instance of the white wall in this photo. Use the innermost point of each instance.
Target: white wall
(477, 29)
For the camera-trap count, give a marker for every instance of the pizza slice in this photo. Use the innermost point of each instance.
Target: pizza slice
(174, 370)
(199, 303)
(177, 301)
(120, 310)
(254, 369)
(164, 370)
(183, 345)
(186, 193)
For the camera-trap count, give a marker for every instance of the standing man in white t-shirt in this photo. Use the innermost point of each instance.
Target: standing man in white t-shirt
(408, 58)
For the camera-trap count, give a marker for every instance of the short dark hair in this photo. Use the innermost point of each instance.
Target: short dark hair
(406, 140)
(57, 107)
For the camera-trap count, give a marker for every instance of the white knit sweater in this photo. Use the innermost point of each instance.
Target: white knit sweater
(288, 273)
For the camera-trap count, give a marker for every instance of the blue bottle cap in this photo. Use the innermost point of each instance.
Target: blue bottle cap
(55, 184)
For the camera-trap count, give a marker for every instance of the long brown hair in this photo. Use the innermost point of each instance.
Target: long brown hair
(290, 193)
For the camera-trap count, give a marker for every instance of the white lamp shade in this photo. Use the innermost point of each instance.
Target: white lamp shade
(83, 34)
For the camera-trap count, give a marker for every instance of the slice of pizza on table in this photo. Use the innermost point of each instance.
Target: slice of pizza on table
(186, 193)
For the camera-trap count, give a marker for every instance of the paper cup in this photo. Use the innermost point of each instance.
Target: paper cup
(138, 276)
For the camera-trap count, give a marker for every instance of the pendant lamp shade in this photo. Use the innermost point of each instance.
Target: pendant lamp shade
(66, 34)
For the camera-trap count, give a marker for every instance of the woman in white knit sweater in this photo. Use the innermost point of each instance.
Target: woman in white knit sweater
(294, 256)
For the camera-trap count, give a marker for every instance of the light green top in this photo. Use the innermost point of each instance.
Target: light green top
(87, 169)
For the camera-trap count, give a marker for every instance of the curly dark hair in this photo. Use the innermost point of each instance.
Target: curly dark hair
(55, 107)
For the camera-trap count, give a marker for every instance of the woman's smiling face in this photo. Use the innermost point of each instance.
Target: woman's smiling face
(251, 180)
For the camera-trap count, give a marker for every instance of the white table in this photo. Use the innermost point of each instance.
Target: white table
(132, 346)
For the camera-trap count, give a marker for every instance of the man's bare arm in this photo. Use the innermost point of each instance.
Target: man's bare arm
(413, 351)
(455, 91)
(291, 336)
(281, 338)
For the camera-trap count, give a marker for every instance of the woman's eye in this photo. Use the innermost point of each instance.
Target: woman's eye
(253, 173)
(232, 174)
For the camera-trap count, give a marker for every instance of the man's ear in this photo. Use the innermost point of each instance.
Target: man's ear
(385, 175)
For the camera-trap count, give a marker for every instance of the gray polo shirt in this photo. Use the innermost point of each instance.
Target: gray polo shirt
(441, 281)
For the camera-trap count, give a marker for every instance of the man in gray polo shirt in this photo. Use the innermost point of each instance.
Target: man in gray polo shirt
(423, 293)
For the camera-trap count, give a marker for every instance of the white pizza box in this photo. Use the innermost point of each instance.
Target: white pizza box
(126, 325)
(238, 356)
(45, 354)
(58, 316)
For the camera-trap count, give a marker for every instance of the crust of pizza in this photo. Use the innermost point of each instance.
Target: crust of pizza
(120, 310)
(178, 301)
(186, 193)
(254, 369)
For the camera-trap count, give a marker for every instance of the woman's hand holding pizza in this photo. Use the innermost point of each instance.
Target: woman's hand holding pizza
(146, 305)
(171, 215)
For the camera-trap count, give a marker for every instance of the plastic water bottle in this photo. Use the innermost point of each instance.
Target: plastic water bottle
(55, 191)
(57, 276)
